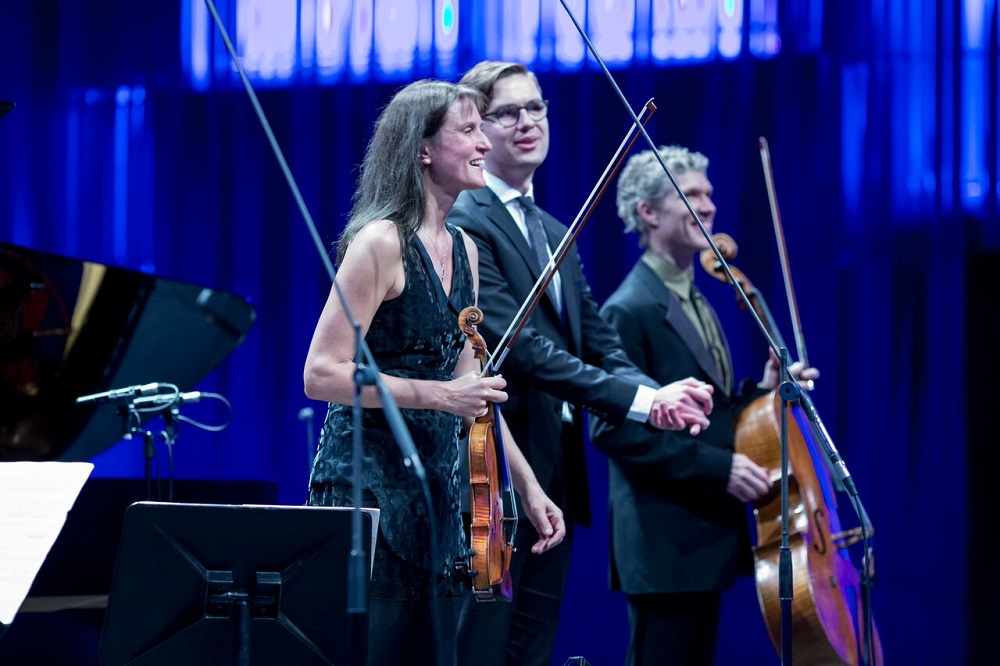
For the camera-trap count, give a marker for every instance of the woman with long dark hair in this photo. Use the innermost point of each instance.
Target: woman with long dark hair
(406, 275)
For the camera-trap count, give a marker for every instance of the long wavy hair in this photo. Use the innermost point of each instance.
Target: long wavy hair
(391, 185)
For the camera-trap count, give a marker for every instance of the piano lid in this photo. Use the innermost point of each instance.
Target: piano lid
(70, 328)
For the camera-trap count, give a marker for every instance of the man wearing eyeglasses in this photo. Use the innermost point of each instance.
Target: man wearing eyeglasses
(566, 358)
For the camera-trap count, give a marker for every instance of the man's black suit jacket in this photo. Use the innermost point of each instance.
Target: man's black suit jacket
(576, 357)
(674, 528)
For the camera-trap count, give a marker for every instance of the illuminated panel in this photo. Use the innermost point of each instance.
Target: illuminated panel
(972, 121)
(266, 34)
(661, 28)
(446, 36)
(643, 10)
(948, 90)
(332, 24)
(519, 26)
(694, 23)
(918, 166)
(326, 41)
(360, 44)
(764, 40)
(730, 17)
(195, 29)
(570, 48)
(612, 23)
(395, 29)
(907, 66)
(307, 34)
(683, 29)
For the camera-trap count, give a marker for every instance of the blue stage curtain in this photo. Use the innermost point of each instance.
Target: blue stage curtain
(108, 157)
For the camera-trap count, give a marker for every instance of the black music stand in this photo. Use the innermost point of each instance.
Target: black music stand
(211, 584)
(5, 107)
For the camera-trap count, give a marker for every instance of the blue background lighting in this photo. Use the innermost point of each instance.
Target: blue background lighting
(133, 144)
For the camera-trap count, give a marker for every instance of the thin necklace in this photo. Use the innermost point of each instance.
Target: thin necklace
(441, 255)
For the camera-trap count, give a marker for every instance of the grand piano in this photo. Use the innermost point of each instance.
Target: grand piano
(70, 328)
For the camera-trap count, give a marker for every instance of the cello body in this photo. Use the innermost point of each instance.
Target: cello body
(828, 624)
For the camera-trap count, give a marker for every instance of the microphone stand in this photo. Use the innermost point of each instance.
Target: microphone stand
(169, 434)
(366, 373)
(787, 394)
(357, 582)
(132, 426)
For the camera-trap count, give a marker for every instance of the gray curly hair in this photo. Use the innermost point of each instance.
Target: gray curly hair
(643, 179)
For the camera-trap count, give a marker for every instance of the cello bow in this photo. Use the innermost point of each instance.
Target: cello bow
(786, 271)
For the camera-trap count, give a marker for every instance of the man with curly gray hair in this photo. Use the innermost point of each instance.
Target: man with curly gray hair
(644, 180)
(679, 531)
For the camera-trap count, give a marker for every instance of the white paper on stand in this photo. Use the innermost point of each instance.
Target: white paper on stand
(36, 497)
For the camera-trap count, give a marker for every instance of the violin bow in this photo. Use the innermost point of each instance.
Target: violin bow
(534, 296)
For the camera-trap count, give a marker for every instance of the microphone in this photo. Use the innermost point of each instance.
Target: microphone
(121, 395)
(165, 399)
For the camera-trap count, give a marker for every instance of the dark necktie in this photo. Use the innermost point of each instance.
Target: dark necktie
(536, 236)
(713, 337)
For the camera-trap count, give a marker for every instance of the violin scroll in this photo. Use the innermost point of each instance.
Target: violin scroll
(468, 319)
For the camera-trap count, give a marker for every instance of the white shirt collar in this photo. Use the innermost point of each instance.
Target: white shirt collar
(505, 192)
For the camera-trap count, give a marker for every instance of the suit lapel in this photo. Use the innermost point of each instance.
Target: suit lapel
(504, 222)
(569, 287)
(499, 215)
(676, 318)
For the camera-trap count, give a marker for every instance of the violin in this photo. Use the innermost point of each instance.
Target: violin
(491, 533)
(827, 623)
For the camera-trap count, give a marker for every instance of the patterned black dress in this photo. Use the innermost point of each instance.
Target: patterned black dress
(414, 335)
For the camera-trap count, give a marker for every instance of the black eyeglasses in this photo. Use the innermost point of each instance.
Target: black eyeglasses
(507, 116)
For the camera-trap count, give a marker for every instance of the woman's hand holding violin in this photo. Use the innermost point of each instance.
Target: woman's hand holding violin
(470, 395)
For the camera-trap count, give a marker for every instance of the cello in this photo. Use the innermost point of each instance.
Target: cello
(828, 619)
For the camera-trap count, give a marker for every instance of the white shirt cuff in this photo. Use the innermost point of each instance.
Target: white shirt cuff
(642, 404)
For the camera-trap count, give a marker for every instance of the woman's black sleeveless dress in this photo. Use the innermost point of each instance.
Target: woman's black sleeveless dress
(414, 335)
